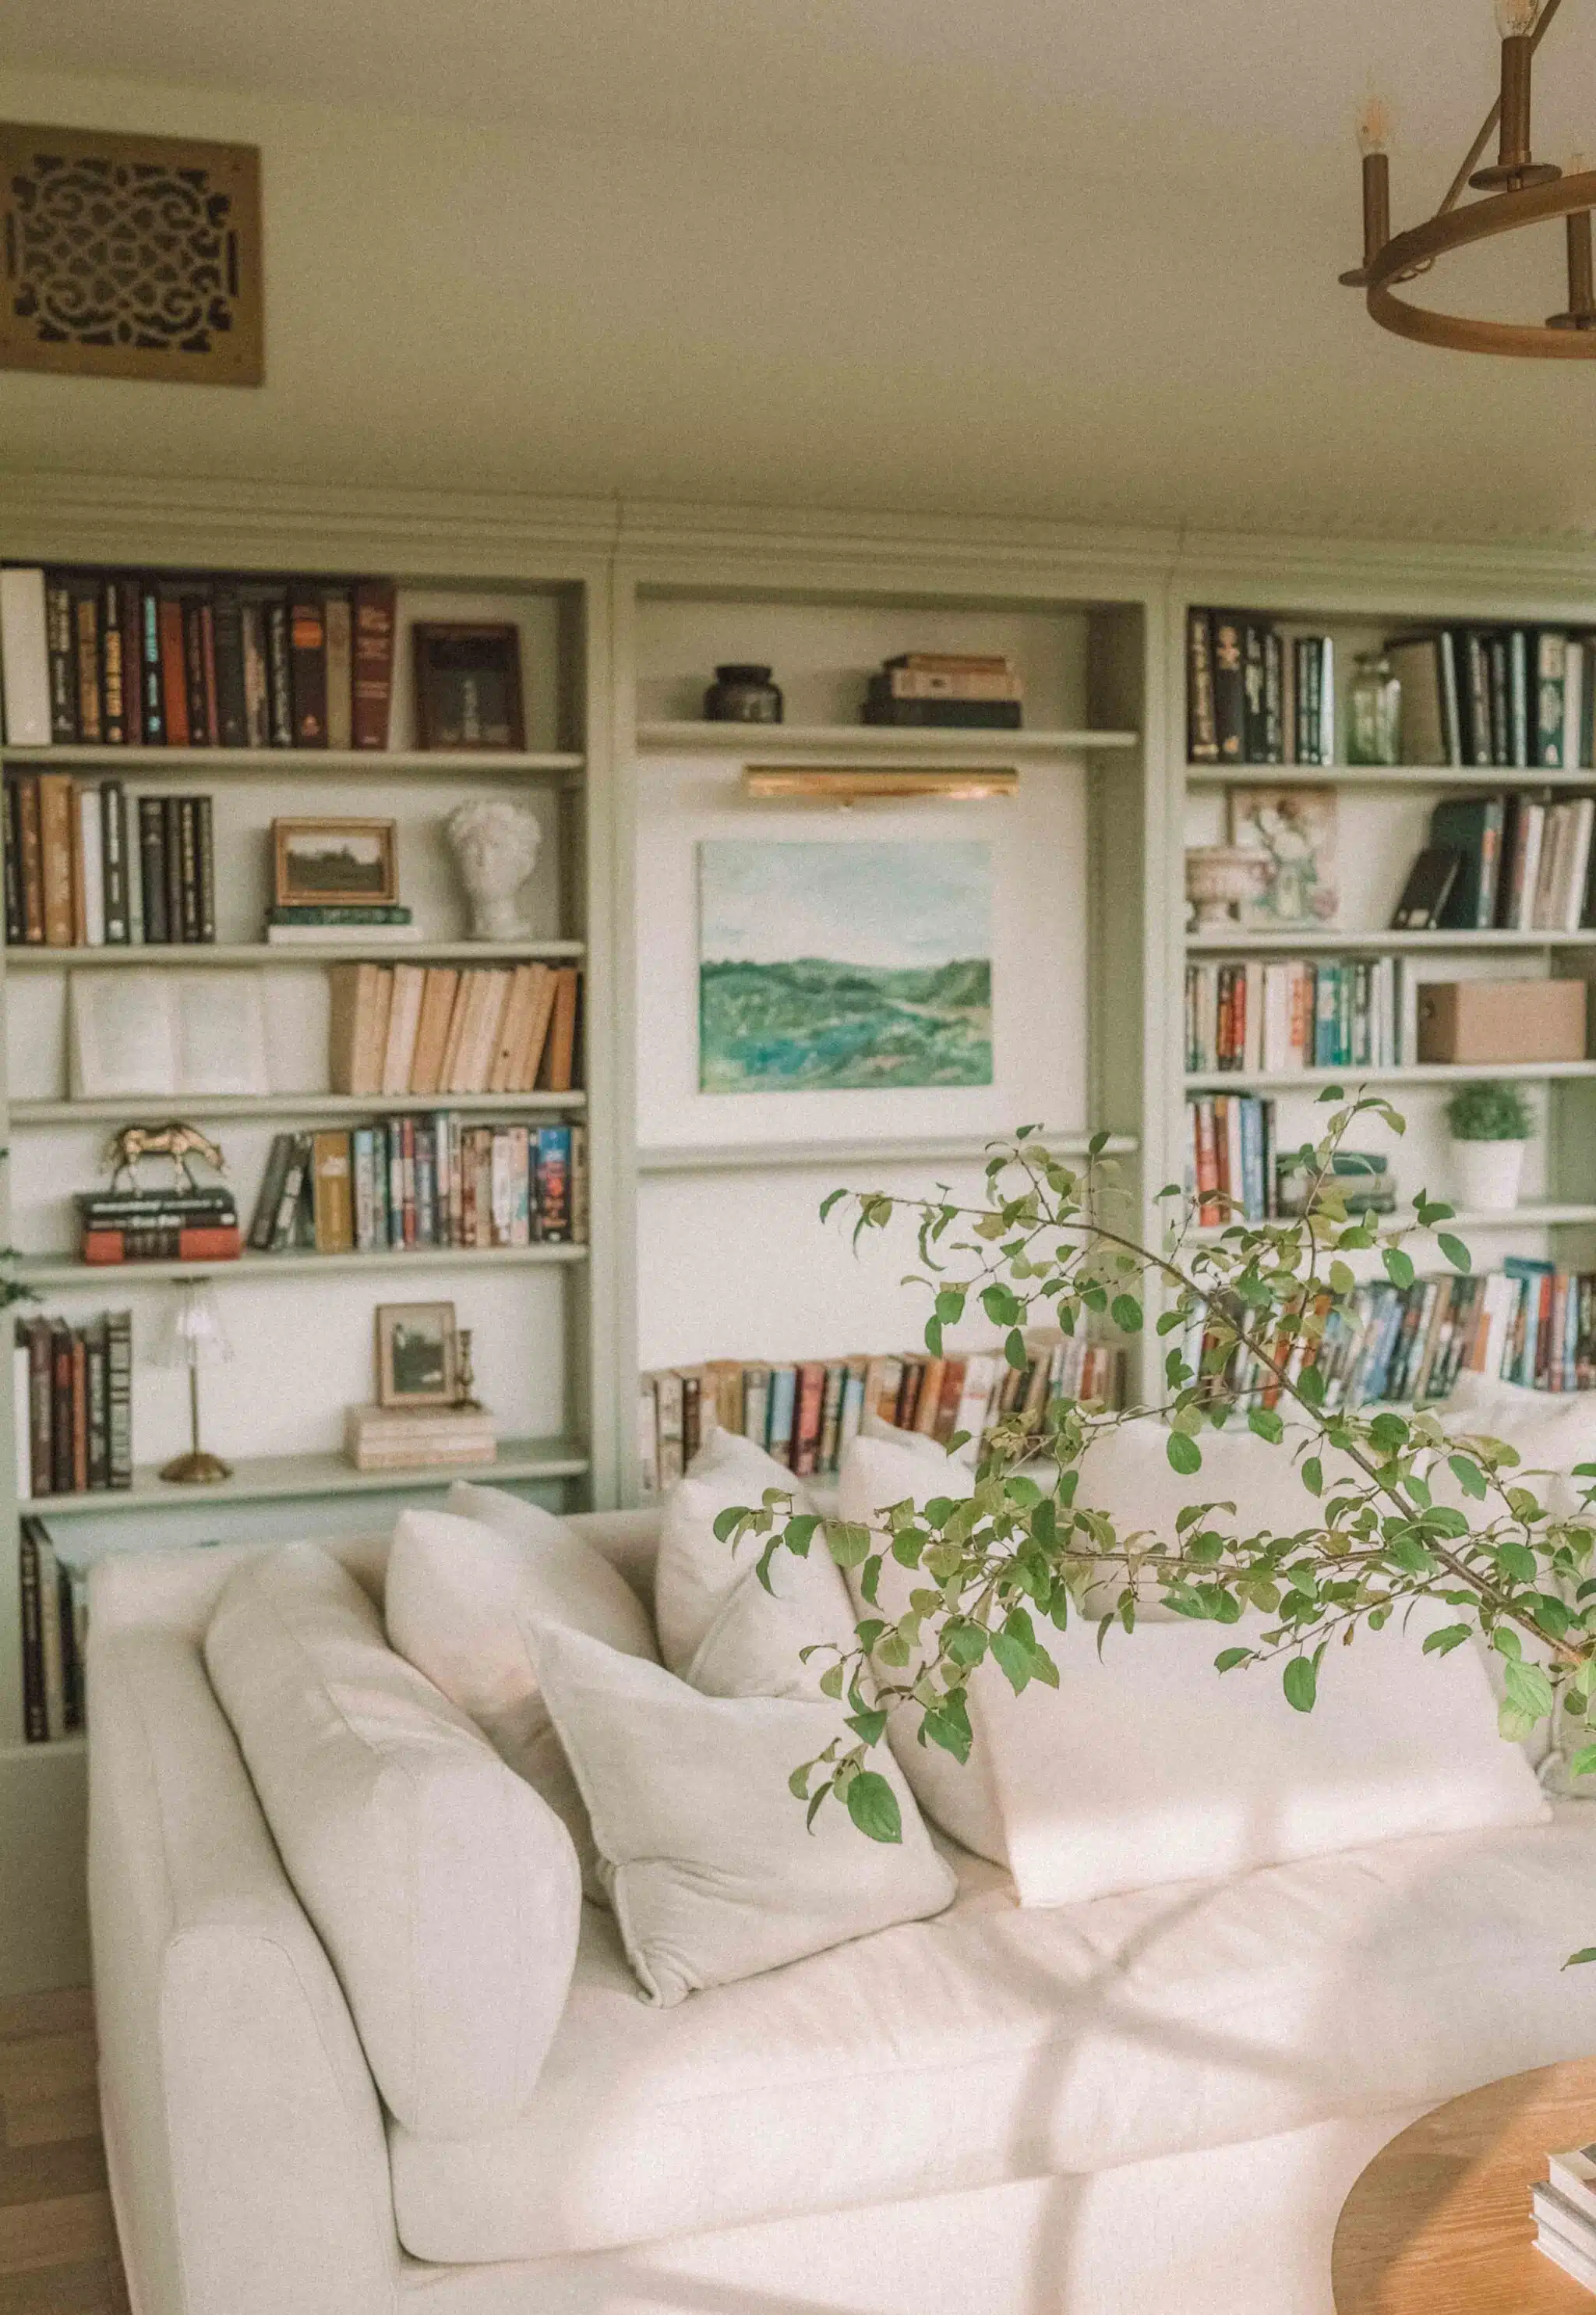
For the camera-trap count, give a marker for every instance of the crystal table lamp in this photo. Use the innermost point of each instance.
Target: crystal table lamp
(195, 1338)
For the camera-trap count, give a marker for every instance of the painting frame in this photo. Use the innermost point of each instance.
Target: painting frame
(298, 889)
(1293, 826)
(435, 1323)
(444, 715)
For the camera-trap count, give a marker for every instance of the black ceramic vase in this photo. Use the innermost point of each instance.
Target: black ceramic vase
(742, 695)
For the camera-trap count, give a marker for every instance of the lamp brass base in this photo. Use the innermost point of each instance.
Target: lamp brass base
(196, 1469)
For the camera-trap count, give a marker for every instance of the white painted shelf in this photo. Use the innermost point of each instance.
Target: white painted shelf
(1525, 1218)
(748, 1157)
(1378, 776)
(305, 763)
(1321, 940)
(281, 1479)
(1412, 1073)
(43, 1271)
(298, 1104)
(766, 740)
(301, 953)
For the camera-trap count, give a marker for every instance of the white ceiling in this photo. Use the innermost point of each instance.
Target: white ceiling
(1066, 259)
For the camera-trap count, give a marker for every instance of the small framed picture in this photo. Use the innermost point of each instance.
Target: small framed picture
(469, 685)
(416, 1362)
(334, 863)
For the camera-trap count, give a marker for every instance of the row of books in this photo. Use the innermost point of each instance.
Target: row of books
(947, 690)
(1511, 698)
(1506, 863)
(1255, 695)
(807, 1415)
(211, 660)
(1272, 1015)
(426, 1029)
(1526, 1323)
(55, 1632)
(73, 1399)
(72, 880)
(1236, 1172)
(404, 1183)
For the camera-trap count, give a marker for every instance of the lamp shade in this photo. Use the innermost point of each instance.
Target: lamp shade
(194, 1335)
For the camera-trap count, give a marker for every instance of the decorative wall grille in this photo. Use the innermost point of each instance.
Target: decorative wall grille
(131, 256)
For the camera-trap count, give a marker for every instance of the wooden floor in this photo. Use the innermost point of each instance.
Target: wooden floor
(58, 2244)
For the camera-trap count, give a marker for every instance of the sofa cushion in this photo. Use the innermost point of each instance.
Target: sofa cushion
(455, 1580)
(705, 1851)
(994, 2043)
(877, 1472)
(695, 1571)
(444, 1889)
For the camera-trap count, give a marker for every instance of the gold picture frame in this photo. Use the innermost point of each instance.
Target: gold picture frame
(417, 1354)
(334, 864)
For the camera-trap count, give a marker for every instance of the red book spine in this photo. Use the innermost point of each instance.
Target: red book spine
(174, 681)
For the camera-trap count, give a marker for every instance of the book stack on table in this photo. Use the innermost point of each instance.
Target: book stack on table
(158, 1225)
(968, 691)
(400, 1439)
(1566, 2213)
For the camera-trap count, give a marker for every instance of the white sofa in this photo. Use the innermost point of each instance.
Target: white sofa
(1155, 2100)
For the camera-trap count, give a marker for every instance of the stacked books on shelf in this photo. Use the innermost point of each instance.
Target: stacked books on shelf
(88, 866)
(1564, 2208)
(407, 1439)
(415, 1029)
(55, 1633)
(1509, 698)
(405, 1183)
(203, 659)
(1514, 862)
(1236, 1172)
(808, 1414)
(1524, 1324)
(970, 691)
(75, 1386)
(177, 1225)
(1256, 694)
(1270, 1017)
(326, 926)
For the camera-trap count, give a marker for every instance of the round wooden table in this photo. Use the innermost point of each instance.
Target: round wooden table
(1440, 2222)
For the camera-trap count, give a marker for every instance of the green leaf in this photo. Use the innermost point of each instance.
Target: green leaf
(1127, 1314)
(1399, 1267)
(1310, 1387)
(798, 1534)
(950, 1306)
(1266, 1423)
(798, 1782)
(965, 1644)
(728, 1521)
(1442, 1643)
(873, 1806)
(870, 1726)
(949, 1729)
(1529, 1690)
(1583, 1763)
(1586, 1953)
(1185, 1454)
(1012, 1658)
(1014, 1348)
(1000, 1306)
(1228, 1658)
(1313, 1476)
(1300, 1681)
(832, 1199)
(831, 1681)
(847, 1543)
(933, 1336)
(1469, 1476)
(1455, 1251)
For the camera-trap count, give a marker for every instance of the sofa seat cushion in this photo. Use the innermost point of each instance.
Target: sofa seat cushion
(996, 2042)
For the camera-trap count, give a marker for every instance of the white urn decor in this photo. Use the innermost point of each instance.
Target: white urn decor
(495, 843)
(1220, 878)
(1490, 1122)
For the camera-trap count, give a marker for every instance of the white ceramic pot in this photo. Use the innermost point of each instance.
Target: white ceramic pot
(1488, 1175)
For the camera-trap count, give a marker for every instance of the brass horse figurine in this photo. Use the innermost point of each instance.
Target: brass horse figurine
(177, 1141)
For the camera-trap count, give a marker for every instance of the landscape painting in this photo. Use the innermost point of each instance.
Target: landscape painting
(828, 966)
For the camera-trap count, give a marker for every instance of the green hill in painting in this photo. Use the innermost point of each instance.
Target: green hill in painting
(807, 1024)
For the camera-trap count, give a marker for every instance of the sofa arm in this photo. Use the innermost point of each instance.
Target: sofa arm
(248, 2160)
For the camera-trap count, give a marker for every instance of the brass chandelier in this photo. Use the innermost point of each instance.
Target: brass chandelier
(1516, 191)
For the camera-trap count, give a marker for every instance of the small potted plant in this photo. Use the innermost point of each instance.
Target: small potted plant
(1490, 1124)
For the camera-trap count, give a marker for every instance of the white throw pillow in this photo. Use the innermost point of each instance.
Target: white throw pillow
(445, 1891)
(1149, 1767)
(877, 1473)
(695, 1573)
(1552, 1430)
(454, 1585)
(711, 1871)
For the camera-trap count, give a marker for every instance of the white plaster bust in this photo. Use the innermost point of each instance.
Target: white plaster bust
(495, 844)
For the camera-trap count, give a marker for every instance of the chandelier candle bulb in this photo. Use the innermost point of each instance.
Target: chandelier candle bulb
(1374, 139)
(1515, 169)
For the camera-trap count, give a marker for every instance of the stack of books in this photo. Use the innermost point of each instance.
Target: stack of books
(1514, 864)
(1234, 1172)
(1255, 695)
(1293, 1013)
(72, 880)
(807, 1415)
(366, 925)
(1515, 698)
(76, 1385)
(157, 1225)
(404, 1438)
(55, 1632)
(970, 691)
(226, 660)
(1565, 2209)
(402, 1183)
(426, 1029)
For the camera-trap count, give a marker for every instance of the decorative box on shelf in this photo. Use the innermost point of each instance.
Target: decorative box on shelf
(398, 1438)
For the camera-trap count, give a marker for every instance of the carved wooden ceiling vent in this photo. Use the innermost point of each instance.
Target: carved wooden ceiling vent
(131, 256)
